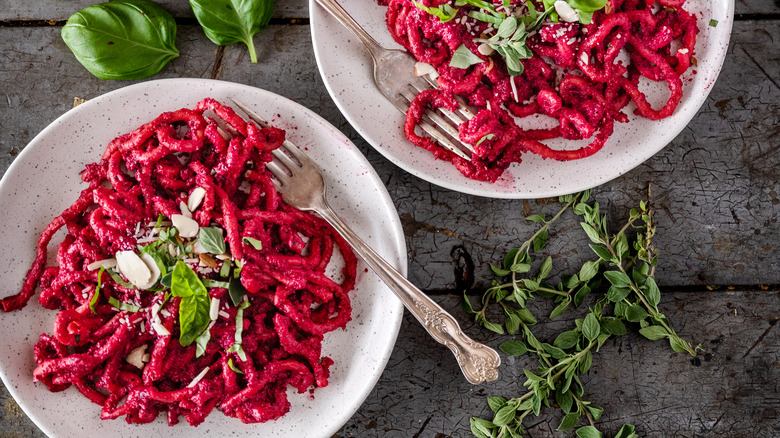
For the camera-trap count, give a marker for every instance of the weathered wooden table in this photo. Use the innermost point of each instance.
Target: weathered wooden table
(715, 189)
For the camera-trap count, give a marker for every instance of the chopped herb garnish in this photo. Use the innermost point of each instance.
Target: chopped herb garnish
(464, 58)
(123, 306)
(256, 244)
(211, 239)
(96, 295)
(713, 23)
(233, 367)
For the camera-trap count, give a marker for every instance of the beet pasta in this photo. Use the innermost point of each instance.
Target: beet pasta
(580, 72)
(184, 283)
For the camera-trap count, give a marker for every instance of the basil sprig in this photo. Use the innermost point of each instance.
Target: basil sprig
(232, 21)
(123, 39)
(195, 303)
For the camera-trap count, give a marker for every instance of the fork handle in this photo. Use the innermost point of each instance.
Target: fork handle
(340, 14)
(478, 362)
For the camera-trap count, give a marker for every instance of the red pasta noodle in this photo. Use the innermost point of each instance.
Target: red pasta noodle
(578, 76)
(120, 344)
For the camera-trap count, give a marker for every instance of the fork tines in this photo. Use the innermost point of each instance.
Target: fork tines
(443, 131)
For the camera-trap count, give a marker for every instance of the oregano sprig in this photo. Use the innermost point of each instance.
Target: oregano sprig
(621, 276)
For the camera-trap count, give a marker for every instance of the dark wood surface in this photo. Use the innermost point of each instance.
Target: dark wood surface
(716, 188)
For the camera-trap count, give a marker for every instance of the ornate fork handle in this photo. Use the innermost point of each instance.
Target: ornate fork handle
(478, 362)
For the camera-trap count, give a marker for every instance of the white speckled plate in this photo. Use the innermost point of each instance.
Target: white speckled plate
(346, 69)
(44, 180)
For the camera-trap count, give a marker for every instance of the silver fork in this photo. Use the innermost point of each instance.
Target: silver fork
(394, 76)
(303, 187)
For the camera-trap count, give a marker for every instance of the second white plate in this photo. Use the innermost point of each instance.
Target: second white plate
(346, 69)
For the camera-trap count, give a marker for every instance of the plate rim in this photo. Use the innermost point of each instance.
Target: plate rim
(394, 231)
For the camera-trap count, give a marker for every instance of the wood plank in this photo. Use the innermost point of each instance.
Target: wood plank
(61, 10)
(730, 389)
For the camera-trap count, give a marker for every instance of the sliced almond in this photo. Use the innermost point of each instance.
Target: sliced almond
(136, 357)
(185, 211)
(208, 261)
(196, 197)
(187, 227)
(105, 263)
(153, 268)
(566, 12)
(485, 49)
(422, 69)
(133, 268)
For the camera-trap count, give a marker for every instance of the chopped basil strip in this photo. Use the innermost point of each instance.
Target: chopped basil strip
(166, 280)
(200, 343)
(123, 306)
(117, 279)
(713, 23)
(96, 295)
(444, 12)
(195, 303)
(233, 367)
(486, 137)
(211, 239)
(464, 58)
(256, 244)
(236, 348)
(215, 283)
(224, 270)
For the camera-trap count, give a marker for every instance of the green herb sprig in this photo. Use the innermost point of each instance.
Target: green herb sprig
(624, 265)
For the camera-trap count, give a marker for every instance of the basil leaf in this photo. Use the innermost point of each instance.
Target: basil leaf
(464, 58)
(236, 290)
(444, 12)
(96, 295)
(211, 239)
(256, 244)
(231, 21)
(195, 303)
(123, 39)
(587, 5)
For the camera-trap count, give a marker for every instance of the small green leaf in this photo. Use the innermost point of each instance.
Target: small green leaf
(546, 267)
(613, 326)
(526, 316)
(504, 416)
(532, 377)
(591, 327)
(602, 252)
(93, 301)
(586, 362)
(654, 332)
(496, 403)
(512, 323)
(564, 399)
(627, 431)
(211, 240)
(588, 432)
(480, 427)
(595, 412)
(540, 241)
(201, 342)
(236, 290)
(444, 12)
(580, 295)
(653, 294)
(555, 352)
(635, 313)
(617, 278)
(463, 58)
(569, 421)
(560, 308)
(588, 270)
(507, 28)
(123, 306)
(538, 218)
(500, 272)
(567, 339)
(520, 268)
(233, 366)
(493, 327)
(679, 345)
(256, 244)
(593, 235)
(616, 294)
(467, 307)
